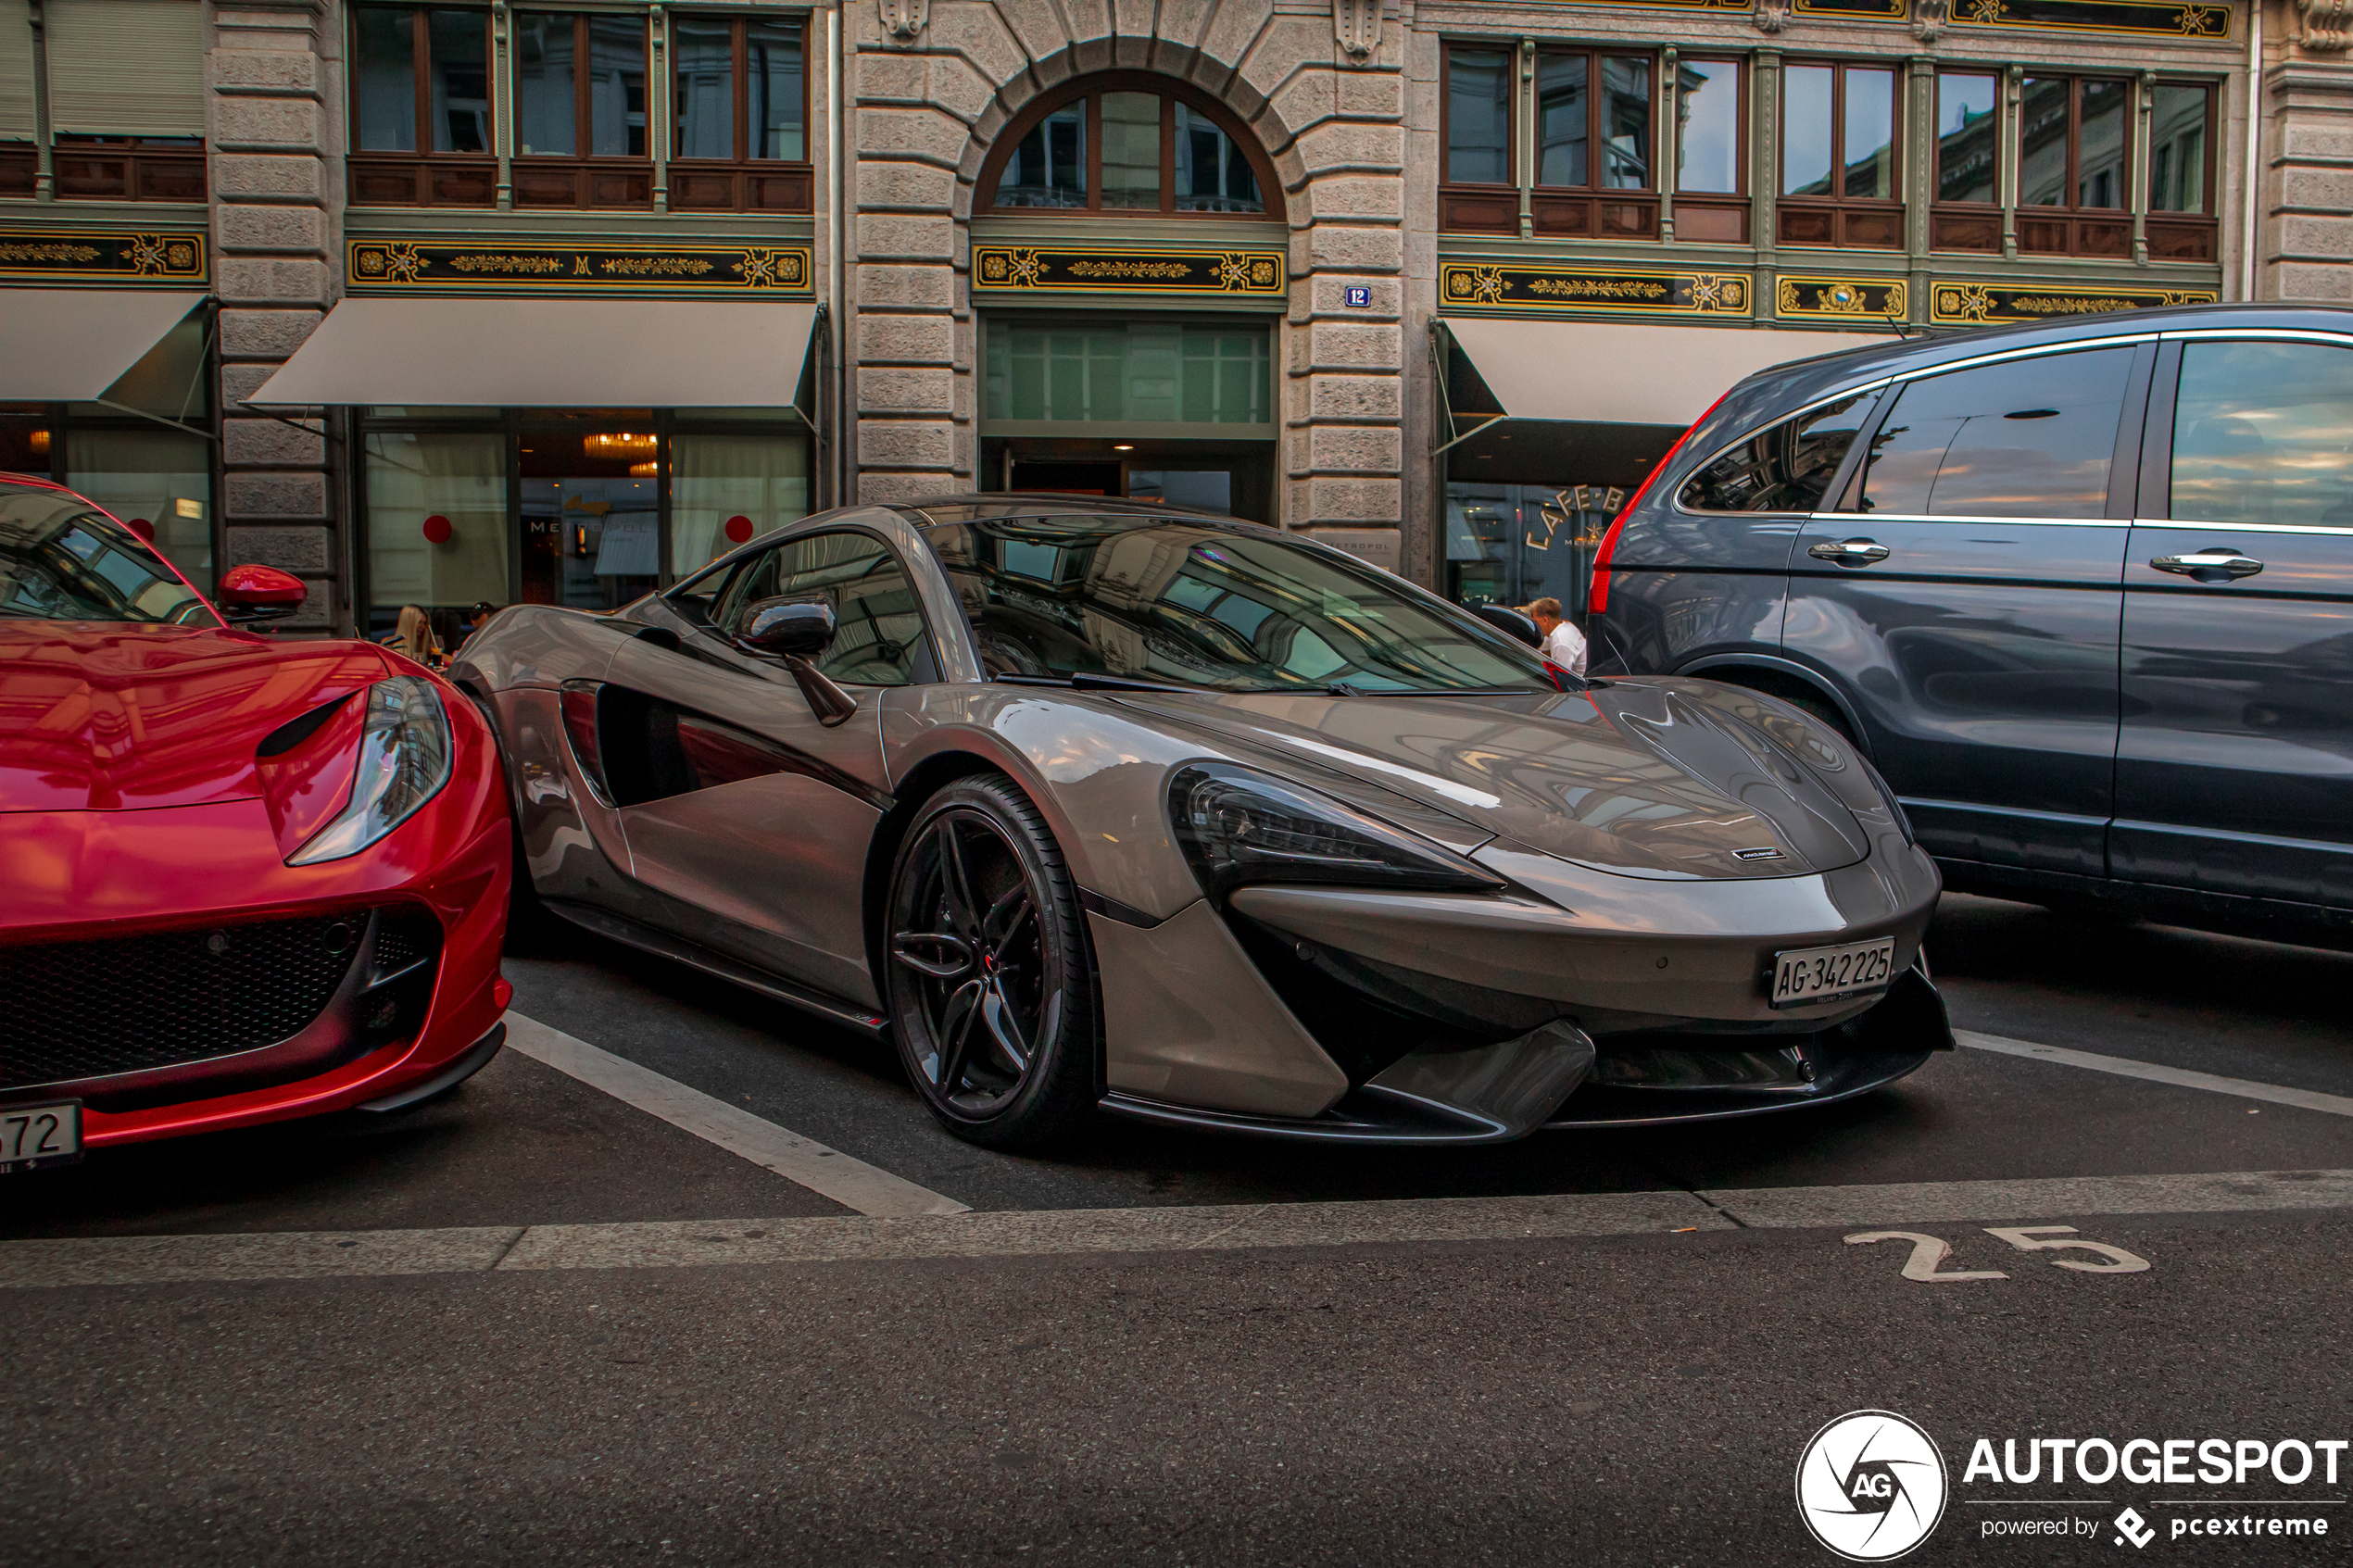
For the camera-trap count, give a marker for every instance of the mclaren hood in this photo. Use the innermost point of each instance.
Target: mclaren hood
(1663, 779)
(113, 717)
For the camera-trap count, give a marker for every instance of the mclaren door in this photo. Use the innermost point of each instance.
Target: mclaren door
(749, 783)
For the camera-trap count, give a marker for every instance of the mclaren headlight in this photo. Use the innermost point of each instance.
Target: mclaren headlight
(406, 754)
(1237, 827)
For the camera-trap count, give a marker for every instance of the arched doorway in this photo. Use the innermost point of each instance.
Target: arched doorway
(1131, 373)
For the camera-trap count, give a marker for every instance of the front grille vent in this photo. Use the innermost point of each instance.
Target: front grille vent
(86, 1009)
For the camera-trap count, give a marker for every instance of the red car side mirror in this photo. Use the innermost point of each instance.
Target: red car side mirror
(259, 593)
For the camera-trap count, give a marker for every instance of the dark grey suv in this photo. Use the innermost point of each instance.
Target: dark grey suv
(2084, 593)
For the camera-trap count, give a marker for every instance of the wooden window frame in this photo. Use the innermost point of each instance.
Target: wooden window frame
(1715, 216)
(2187, 237)
(1477, 207)
(560, 182)
(1966, 226)
(1593, 210)
(742, 183)
(1852, 223)
(1091, 89)
(2102, 234)
(420, 177)
(152, 169)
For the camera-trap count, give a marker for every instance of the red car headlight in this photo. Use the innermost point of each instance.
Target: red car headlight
(406, 755)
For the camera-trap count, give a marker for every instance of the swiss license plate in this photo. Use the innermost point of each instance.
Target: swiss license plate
(36, 1135)
(1818, 974)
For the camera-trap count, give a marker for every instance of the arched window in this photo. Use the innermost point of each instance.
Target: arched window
(1128, 142)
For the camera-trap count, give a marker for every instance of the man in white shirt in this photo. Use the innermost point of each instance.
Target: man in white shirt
(1563, 643)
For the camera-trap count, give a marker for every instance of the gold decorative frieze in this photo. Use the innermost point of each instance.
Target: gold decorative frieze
(2130, 18)
(101, 255)
(1956, 303)
(1471, 285)
(1842, 298)
(1163, 269)
(536, 266)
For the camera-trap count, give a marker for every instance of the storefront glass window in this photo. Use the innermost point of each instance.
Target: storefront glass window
(1512, 544)
(437, 521)
(727, 489)
(1177, 372)
(157, 481)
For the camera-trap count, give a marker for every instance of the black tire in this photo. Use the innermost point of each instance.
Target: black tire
(989, 975)
(531, 927)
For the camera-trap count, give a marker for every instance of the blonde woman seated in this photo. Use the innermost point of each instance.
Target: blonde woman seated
(415, 637)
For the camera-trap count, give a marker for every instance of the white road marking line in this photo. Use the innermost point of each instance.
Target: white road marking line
(2182, 1077)
(852, 1183)
(686, 1243)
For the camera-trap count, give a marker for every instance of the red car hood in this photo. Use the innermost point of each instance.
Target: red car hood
(105, 715)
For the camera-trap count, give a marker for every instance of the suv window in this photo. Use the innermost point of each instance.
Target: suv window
(881, 641)
(1787, 469)
(2023, 438)
(2263, 433)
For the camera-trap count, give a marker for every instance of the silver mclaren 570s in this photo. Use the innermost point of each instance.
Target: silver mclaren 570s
(1088, 807)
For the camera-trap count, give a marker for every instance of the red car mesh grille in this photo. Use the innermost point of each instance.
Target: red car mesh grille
(86, 1009)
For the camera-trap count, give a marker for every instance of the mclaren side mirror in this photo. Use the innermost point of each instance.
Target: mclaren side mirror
(795, 631)
(787, 629)
(1505, 618)
(259, 593)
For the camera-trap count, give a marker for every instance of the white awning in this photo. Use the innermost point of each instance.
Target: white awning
(550, 354)
(1612, 372)
(69, 345)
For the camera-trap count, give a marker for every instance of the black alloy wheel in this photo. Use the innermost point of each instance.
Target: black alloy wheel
(990, 979)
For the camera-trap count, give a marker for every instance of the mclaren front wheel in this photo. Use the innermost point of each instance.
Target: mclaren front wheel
(990, 977)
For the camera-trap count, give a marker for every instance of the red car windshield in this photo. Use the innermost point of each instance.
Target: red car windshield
(60, 560)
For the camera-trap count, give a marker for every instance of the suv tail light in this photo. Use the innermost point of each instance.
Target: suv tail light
(1597, 592)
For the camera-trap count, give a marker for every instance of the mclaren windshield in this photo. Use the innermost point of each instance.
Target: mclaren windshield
(60, 560)
(1166, 601)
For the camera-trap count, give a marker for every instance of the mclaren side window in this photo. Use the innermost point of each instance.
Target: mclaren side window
(881, 640)
(1786, 469)
(1161, 600)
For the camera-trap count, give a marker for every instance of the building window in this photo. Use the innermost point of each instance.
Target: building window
(421, 108)
(741, 107)
(1129, 144)
(1476, 187)
(1838, 158)
(2180, 172)
(1592, 144)
(1159, 374)
(581, 134)
(126, 100)
(1968, 213)
(2073, 167)
(1710, 152)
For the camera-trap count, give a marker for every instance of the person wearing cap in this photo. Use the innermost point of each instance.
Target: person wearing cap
(1562, 643)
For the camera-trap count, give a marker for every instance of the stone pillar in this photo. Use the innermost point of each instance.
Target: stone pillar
(275, 82)
(2305, 239)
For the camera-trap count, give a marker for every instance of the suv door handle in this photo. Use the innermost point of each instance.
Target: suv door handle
(2209, 565)
(1849, 552)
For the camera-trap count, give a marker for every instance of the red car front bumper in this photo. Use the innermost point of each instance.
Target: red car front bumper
(112, 909)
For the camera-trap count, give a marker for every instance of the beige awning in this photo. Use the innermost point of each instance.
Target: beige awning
(1611, 373)
(550, 354)
(70, 346)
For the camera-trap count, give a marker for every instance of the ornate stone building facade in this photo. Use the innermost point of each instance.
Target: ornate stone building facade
(494, 301)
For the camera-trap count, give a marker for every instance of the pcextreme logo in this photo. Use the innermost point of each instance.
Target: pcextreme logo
(1870, 1485)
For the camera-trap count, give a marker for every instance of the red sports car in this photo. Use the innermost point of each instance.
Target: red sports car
(242, 878)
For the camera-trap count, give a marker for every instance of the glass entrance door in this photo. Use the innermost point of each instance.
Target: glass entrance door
(591, 517)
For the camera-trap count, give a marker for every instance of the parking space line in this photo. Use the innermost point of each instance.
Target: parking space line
(2180, 1077)
(109, 1260)
(853, 1183)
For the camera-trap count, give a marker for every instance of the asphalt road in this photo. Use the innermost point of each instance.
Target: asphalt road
(1590, 1398)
